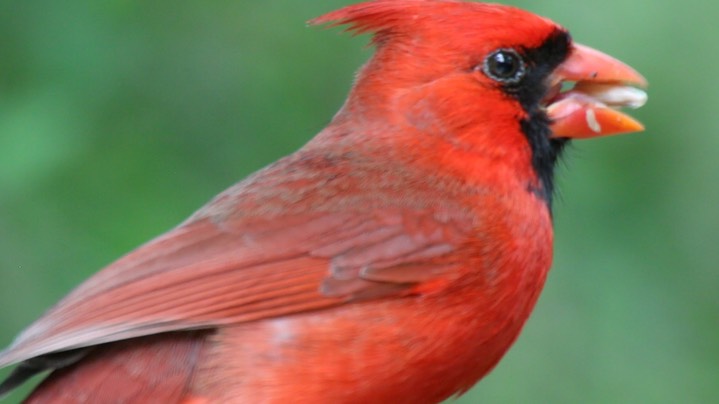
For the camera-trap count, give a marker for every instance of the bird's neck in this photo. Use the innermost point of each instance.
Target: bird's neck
(478, 141)
(498, 159)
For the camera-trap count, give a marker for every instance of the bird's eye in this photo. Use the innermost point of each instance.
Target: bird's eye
(504, 66)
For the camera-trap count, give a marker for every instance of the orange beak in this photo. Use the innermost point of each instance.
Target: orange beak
(601, 85)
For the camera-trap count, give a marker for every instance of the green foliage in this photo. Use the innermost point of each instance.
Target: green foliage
(119, 118)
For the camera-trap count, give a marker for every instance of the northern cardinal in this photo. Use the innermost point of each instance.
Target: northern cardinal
(393, 258)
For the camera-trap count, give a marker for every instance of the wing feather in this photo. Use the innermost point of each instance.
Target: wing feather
(207, 273)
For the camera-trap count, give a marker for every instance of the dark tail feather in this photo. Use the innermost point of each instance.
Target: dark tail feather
(34, 366)
(156, 368)
(18, 376)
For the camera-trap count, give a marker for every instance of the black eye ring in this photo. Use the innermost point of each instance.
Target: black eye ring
(504, 66)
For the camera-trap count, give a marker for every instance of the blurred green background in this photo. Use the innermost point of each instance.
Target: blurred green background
(119, 118)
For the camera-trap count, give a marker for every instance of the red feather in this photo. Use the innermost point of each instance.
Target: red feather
(394, 258)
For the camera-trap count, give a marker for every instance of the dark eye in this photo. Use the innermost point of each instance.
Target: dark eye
(504, 66)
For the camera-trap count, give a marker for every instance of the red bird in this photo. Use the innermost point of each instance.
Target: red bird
(394, 258)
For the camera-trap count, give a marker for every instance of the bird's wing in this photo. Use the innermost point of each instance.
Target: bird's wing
(205, 273)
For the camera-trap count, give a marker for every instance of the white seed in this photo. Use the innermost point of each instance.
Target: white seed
(592, 121)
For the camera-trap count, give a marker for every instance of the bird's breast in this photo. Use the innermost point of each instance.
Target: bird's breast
(418, 348)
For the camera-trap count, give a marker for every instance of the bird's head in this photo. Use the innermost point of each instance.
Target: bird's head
(495, 77)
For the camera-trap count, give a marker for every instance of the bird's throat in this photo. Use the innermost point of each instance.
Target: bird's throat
(546, 152)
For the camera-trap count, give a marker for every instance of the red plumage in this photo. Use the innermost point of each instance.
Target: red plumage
(394, 258)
